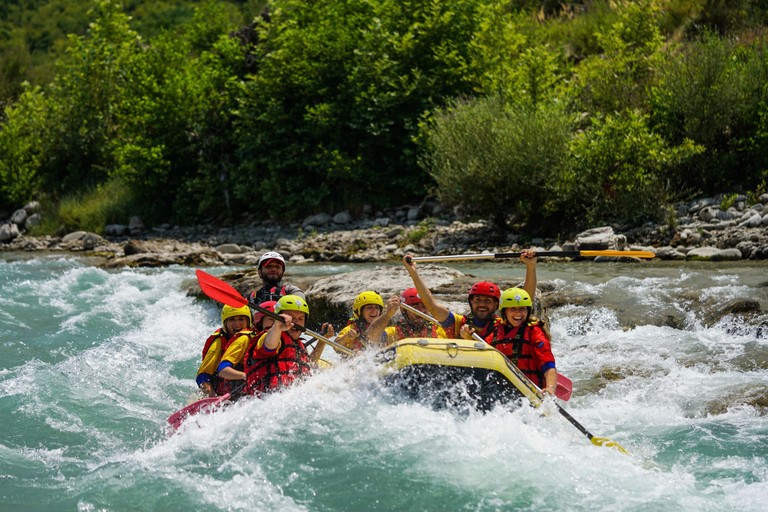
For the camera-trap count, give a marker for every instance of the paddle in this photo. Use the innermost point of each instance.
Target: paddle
(176, 419)
(534, 390)
(220, 291)
(557, 254)
(564, 384)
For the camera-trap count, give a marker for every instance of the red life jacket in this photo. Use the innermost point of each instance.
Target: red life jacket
(268, 374)
(361, 326)
(265, 294)
(220, 333)
(519, 349)
(405, 330)
(485, 331)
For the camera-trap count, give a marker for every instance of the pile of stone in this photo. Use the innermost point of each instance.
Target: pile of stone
(21, 220)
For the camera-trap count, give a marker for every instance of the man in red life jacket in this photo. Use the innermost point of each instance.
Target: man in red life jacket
(525, 340)
(279, 357)
(410, 325)
(234, 321)
(271, 269)
(483, 301)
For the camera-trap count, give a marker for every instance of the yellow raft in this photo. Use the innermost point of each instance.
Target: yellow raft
(452, 372)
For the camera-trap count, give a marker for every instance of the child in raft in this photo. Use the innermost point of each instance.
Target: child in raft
(234, 321)
(525, 340)
(410, 326)
(366, 310)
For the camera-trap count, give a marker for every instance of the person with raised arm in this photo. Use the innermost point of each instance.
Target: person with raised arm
(409, 326)
(483, 300)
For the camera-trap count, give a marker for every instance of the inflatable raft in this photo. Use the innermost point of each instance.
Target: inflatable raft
(454, 372)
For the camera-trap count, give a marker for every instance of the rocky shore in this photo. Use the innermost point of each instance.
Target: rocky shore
(700, 230)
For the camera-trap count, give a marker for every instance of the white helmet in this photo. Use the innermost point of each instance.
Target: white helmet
(271, 256)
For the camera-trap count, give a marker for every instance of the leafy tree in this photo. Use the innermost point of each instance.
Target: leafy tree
(337, 98)
(617, 78)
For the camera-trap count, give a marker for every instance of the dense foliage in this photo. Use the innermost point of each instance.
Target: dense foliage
(528, 111)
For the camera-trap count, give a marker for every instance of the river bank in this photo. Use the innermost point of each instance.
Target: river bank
(700, 230)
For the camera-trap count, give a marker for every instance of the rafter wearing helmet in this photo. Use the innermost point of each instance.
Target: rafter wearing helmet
(271, 268)
(483, 300)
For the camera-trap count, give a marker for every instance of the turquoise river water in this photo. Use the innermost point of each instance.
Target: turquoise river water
(93, 362)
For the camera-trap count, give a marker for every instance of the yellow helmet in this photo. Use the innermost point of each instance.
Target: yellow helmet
(229, 312)
(292, 303)
(364, 299)
(515, 297)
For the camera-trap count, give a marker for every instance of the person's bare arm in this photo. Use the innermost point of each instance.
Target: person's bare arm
(230, 373)
(528, 257)
(438, 311)
(376, 329)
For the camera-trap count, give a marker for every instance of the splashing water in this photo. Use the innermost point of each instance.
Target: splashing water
(93, 362)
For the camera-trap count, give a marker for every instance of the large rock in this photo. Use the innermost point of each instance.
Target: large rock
(32, 207)
(132, 247)
(342, 217)
(320, 219)
(229, 249)
(117, 230)
(74, 236)
(136, 225)
(727, 255)
(702, 253)
(596, 239)
(8, 232)
(91, 240)
(19, 217)
(33, 220)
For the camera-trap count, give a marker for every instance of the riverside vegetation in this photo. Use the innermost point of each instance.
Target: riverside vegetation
(543, 117)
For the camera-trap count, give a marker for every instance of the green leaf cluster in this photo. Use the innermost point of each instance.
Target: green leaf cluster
(543, 115)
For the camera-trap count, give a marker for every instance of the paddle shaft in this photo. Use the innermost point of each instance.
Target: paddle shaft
(301, 328)
(556, 254)
(531, 386)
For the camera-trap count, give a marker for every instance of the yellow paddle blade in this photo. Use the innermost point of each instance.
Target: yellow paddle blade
(604, 441)
(620, 254)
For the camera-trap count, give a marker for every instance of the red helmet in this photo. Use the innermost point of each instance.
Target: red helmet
(410, 296)
(258, 315)
(485, 288)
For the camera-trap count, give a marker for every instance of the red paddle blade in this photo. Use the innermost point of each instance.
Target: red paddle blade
(201, 406)
(220, 291)
(564, 387)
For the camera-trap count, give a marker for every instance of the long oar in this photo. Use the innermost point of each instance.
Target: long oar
(206, 404)
(220, 291)
(557, 254)
(564, 388)
(597, 441)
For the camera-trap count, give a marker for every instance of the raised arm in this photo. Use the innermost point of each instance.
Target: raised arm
(376, 329)
(528, 257)
(438, 311)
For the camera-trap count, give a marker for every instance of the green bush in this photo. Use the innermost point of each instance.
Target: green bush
(21, 146)
(618, 171)
(498, 161)
(713, 92)
(617, 79)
